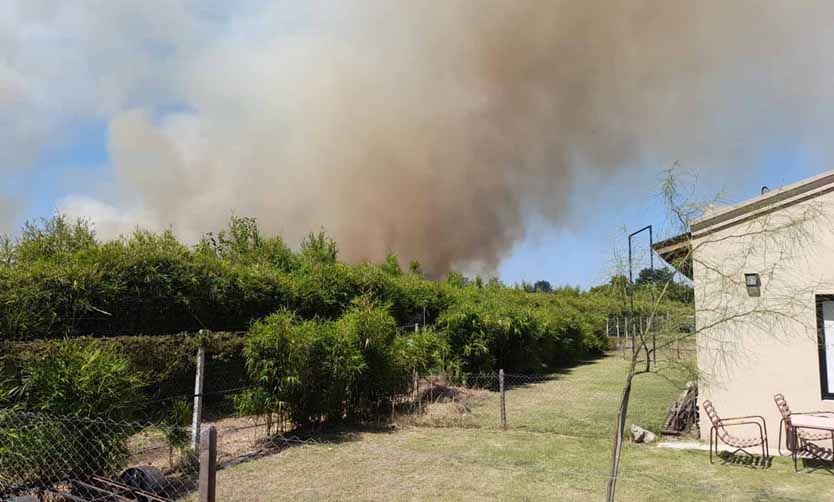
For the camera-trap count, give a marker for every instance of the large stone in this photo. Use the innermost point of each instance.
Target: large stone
(641, 435)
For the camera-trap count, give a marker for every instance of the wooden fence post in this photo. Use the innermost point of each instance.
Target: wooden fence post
(197, 416)
(654, 348)
(415, 391)
(503, 399)
(208, 465)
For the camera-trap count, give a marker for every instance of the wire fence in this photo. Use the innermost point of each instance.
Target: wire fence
(472, 400)
(82, 459)
(93, 459)
(74, 458)
(653, 338)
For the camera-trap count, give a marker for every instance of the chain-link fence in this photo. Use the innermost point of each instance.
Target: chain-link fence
(660, 338)
(471, 400)
(89, 459)
(81, 459)
(530, 402)
(78, 457)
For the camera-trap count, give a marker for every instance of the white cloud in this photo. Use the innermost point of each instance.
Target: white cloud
(110, 221)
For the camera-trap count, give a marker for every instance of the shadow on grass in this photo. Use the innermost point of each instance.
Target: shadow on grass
(745, 460)
(308, 436)
(551, 373)
(567, 368)
(413, 411)
(810, 465)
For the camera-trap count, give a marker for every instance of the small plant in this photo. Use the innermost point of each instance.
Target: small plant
(319, 248)
(175, 429)
(259, 403)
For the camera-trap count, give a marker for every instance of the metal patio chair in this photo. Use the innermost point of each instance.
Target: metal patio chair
(801, 435)
(719, 431)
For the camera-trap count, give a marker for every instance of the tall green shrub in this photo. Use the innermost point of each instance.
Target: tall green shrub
(82, 395)
(307, 366)
(426, 351)
(384, 374)
(243, 243)
(80, 379)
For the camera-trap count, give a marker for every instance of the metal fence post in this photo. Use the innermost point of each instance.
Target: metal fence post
(197, 417)
(208, 465)
(503, 399)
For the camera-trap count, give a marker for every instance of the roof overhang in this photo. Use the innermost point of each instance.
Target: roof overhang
(765, 203)
(677, 252)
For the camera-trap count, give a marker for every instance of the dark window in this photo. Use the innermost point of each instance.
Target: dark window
(825, 335)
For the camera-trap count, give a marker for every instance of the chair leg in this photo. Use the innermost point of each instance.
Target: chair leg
(711, 432)
(795, 448)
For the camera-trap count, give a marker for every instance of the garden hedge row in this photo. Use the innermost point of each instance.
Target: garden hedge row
(58, 282)
(165, 365)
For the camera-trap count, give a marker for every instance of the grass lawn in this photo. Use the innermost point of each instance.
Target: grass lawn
(583, 400)
(549, 453)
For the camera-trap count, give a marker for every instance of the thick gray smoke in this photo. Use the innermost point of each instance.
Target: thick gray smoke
(438, 128)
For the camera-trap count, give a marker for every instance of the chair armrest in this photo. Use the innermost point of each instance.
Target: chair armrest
(750, 422)
(761, 426)
(727, 421)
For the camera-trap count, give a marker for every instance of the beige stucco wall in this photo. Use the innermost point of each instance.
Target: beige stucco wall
(750, 348)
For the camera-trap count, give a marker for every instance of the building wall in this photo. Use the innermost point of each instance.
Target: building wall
(752, 347)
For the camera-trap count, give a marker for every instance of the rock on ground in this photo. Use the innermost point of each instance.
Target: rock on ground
(641, 435)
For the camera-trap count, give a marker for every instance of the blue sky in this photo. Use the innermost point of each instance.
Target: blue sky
(587, 253)
(74, 164)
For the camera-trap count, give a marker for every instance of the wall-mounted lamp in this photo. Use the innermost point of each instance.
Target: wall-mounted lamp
(753, 284)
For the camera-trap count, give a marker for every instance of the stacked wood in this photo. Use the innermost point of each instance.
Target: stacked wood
(683, 413)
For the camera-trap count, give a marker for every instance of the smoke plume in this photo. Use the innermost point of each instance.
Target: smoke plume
(438, 128)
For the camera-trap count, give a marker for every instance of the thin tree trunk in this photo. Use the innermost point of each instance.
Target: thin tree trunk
(618, 438)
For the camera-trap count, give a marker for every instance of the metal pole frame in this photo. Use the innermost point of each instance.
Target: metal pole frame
(651, 250)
